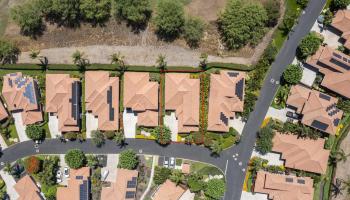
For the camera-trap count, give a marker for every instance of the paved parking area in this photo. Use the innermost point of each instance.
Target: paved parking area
(10, 183)
(112, 164)
(91, 124)
(20, 128)
(129, 123)
(53, 127)
(171, 122)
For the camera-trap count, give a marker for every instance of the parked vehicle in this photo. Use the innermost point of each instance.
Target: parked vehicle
(292, 115)
(104, 175)
(166, 162)
(66, 172)
(172, 162)
(59, 176)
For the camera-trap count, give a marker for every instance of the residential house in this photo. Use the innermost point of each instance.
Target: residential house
(286, 187)
(168, 191)
(22, 95)
(124, 187)
(79, 186)
(335, 66)
(63, 98)
(182, 96)
(317, 109)
(27, 189)
(341, 22)
(141, 97)
(226, 97)
(302, 153)
(102, 99)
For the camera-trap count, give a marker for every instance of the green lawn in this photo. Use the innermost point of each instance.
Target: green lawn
(204, 169)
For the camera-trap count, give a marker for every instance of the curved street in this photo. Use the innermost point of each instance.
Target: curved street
(234, 169)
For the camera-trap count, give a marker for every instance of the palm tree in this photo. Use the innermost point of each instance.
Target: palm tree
(189, 139)
(338, 156)
(80, 60)
(336, 188)
(161, 62)
(35, 54)
(203, 63)
(118, 59)
(119, 138)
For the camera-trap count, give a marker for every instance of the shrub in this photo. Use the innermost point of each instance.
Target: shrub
(193, 31)
(35, 132)
(128, 159)
(8, 52)
(48, 175)
(32, 165)
(98, 138)
(293, 74)
(273, 12)
(96, 11)
(177, 176)
(328, 17)
(215, 188)
(264, 143)
(344, 105)
(70, 136)
(162, 135)
(302, 3)
(308, 45)
(75, 158)
(92, 161)
(288, 22)
(64, 12)
(161, 174)
(109, 134)
(339, 4)
(136, 12)
(242, 23)
(195, 183)
(170, 19)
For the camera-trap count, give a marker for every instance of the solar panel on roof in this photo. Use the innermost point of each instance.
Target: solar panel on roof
(337, 55)
(340, 64)
(233, 74)
(289, 180)
(10, 82)
(130, 195)
(319, 125)
(301, 181)
(109, 102)
(79, 177)
(344, 59)
(76, 93)
(223, 118)
(239, 89)
(29, 93)
(325, 97)
(336, 121)
(132, 183)
(84, 191)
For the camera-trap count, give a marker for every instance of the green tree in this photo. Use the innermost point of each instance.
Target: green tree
(75, 158)
(216, 147)
(161, 174)
(32, 164)
(49, 168)
(109, 134)
(344, 105)
(80, 60)
(35, 132)
(309, 45)
(35, 54)
(92, 161)
(63, 12)
(118, 59)
(328, 17)
(339, 4)
(203, 63)
(119, 138)
(128, 159)
(95, 11)
(28, 17)
(302, 3)
(288, 22)
(8, 52)
(264, 143)
(193, 31)
(136, 12)
(195, 183)
(98, 138)
(242, 22)
(273, 12)
(177, 176)
(293, 74)
(161, 62)
(162, 135)
(170, 19)
(215, 188)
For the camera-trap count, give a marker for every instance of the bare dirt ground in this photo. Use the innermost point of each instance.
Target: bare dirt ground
(58, 43)
(342, 171)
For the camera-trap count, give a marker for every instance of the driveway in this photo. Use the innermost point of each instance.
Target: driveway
(277, 114)
(237, 123)
(53, 127)
(330, 38)
(273, 158)
(129, 123)
(20, 128)
(91, 124)
(251, 196)
(112, 164)
(171, 122)
(63, 164)
(10, 183)
(2, 142)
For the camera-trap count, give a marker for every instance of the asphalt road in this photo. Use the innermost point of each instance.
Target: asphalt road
(234, 168)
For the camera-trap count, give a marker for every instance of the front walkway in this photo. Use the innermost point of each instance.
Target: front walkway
(20, 128)
(10, 183)
(91, 124)
(172, 123)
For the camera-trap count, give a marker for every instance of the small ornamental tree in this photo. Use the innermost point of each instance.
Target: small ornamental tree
(193, 31)
(32, 164)
(162, 135)
(96, 11)
(35, 132)
(264, 142)
(136, 12)
(128, 160)
(339, 4)
(293, 74)
(309, 45)
(98, 138)
(215, 188)
(177, 177)
(75, 158)
(161, 174)
(170, 19)
(195, 183)
(302, 3)
(8, 52)
(273, 11)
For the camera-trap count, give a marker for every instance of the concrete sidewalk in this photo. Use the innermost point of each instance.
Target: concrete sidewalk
(10, 183)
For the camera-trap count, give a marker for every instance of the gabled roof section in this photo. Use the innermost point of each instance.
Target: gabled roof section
(63, 99)
(21, 94)
(298, 95)
(301, 153)
(27, 189)
(168, 191)
(141, 96)
(102, 98)
(226, 97)
(182, 95)
(124, 186)
(341, 21)
(78, 185)
(278, 186)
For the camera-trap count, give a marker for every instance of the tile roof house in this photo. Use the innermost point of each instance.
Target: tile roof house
(141, 96)
(124, 188)
(341, 22)
(78, 185)
(335, 66)
(182, 96)
(3, 111)
(301, 153)
(102, 99)
(226, 97)
(278, 186)
(168, 191)
(21, 95)
(318, 110)
(27, 189)
(63, 95)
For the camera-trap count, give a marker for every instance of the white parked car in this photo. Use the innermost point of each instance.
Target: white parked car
(59, 176)
(66, 172)
(166, 163)
(104, 175)
(172, 162)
